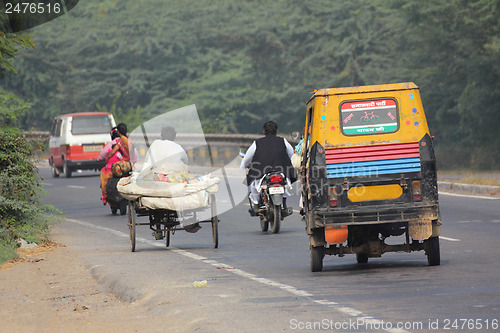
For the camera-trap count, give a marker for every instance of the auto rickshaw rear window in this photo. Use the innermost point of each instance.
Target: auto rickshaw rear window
(376, 116)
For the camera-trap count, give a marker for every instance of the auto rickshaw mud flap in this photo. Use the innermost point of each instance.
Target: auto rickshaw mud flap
(317, 180)
(428, 169)
(436, 228)
(316, 235)
(420, 230)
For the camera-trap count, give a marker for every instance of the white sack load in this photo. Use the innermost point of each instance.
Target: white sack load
(192, 193)
(132, 189)
(196, 200)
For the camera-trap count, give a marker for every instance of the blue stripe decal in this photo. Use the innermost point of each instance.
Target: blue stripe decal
(373, 168)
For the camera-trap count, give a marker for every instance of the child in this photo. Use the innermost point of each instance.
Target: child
(116, 157)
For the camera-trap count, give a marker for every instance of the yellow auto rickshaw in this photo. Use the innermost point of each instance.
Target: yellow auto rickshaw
(368, 172)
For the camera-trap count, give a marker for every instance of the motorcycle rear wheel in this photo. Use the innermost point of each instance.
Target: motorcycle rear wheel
(276, 224)
(123, 207)
(264, 225)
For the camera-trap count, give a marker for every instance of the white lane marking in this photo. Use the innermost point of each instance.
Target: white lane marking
(449, 239)
(76, 186)
(470, 221)
(47, 184)
(291, 289)
(467, 196)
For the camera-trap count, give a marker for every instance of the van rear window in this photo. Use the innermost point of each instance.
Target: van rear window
(369, 116)
(91, 125)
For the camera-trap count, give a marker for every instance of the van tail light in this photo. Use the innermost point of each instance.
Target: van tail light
(333, 196)
(276, 179)
(68, 150)
(417, 190)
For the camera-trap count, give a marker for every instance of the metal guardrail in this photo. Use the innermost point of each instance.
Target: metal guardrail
(240, 140)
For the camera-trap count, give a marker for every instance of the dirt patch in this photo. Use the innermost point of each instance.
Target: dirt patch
(32, 254)
(49, 290)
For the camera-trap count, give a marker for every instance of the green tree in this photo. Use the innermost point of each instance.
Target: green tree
(245, 62)
(9, 46)
(132, 118)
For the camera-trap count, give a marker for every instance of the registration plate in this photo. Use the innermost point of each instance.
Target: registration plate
(276, 190)
(89, 148)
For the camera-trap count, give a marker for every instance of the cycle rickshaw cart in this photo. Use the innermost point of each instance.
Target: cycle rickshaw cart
(167, 214)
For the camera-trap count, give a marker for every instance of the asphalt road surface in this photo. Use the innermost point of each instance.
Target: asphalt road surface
(261, 282)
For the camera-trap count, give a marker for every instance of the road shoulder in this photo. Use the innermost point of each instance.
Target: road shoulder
(49, 290)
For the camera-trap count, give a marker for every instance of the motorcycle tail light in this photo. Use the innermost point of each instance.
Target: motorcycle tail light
(333, 196)
(276, 179)
(417, 191)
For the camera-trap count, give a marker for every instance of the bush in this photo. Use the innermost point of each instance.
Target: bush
(21, 213)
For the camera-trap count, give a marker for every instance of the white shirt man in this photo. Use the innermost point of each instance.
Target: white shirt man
(165, 150)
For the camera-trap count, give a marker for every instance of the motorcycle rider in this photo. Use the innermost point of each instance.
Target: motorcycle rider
(120, 145)
(270, 153)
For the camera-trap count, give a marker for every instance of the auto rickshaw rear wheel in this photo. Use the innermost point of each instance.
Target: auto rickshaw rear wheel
(432, 251)
(361, 258)
(316, 254)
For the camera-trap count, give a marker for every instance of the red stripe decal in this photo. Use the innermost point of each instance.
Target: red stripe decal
(372, 153)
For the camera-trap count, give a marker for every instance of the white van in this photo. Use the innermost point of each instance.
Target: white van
(76, 140)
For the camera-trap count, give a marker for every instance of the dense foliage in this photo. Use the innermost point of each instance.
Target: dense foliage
(8, 49)
(21, 213)
(244, 62)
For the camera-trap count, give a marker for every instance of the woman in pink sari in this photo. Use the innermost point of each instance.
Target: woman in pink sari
(116, 166)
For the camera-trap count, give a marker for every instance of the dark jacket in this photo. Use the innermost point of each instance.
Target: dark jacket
(270, 155)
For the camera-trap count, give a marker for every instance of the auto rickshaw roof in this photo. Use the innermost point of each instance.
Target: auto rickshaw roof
(364, 89)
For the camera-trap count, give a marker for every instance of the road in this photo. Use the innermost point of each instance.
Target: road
(261, 282)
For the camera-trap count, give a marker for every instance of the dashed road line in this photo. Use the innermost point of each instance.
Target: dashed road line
(265, 281)
(449, 239)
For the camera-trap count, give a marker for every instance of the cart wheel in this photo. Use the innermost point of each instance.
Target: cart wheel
(432, 251)
(114, 211)
(215, 222)
(275, 226)
(316, 254)
(215, 231)
(167, 238)
(131, 224)
(264, 225)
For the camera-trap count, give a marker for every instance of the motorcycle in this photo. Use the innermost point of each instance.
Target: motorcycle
(114, 199)
(271, 208)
